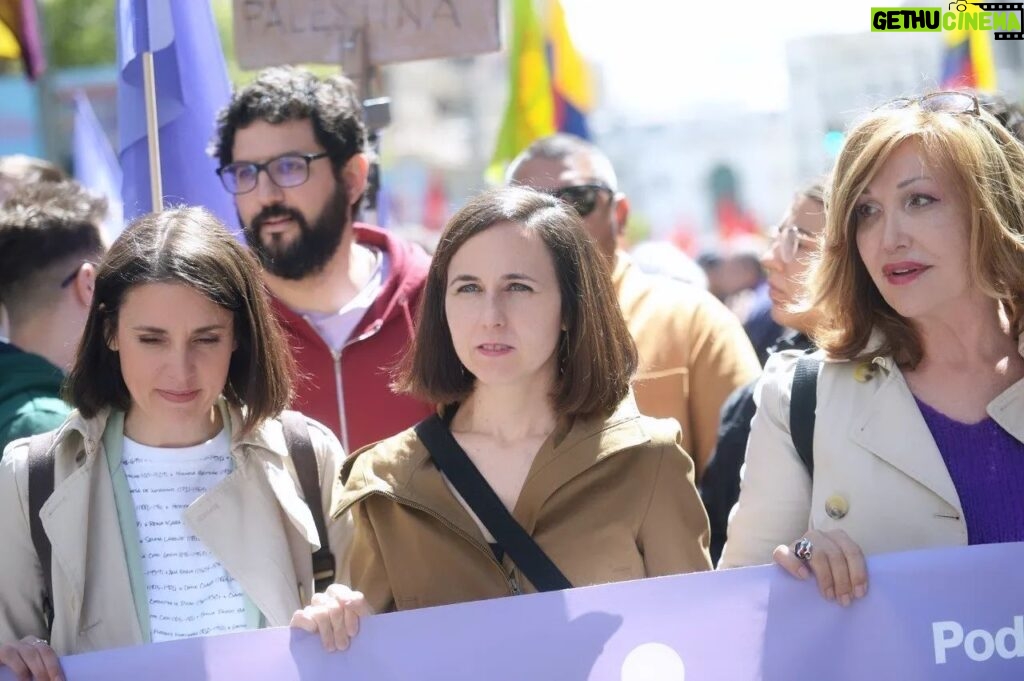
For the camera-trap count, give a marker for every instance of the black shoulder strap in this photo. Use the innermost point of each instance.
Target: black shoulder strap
(300, 447)
(802, 405)
(40, 487)
(466, 478)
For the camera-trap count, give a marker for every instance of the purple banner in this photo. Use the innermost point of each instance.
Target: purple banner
(939, 614)
(942, 614)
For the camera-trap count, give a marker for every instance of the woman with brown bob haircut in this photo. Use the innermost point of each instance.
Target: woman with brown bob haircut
(522, 346)
(176, 508)
(919, 436)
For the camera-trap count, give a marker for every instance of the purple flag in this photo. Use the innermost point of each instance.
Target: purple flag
(191, 86)
(95, 164)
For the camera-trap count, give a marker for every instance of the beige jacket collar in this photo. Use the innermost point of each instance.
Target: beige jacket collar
(239, 520)
(889, 423)
(402, 468)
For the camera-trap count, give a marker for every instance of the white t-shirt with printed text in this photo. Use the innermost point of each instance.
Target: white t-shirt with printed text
(189, 591)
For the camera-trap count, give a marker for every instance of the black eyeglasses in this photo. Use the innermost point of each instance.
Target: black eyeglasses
(286, 170)
(71, 277)
(581, 197)
(950, 101)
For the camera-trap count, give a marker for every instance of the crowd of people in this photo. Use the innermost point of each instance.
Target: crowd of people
(203, 436)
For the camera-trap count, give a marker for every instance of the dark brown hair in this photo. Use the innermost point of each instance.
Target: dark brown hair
(45, 229)
(597, 354)
(188, 246)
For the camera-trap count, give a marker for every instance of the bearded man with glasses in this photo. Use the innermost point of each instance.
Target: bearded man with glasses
(292, 151)
(693, 351)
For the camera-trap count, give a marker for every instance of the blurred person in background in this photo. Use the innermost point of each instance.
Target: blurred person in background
(665, 259)
(292, 151)
(919, 431)
(693, 351)
(17, 170)
(794, 246)
(1009, 113)
(50, 243)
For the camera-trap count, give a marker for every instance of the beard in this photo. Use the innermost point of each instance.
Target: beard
(315, 244)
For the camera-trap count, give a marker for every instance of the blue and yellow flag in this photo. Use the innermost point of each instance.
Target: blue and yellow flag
(550, 88)
(571, 86)
(967, 59)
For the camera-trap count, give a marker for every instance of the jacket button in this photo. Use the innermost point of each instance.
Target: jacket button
(864, 372)
(836, 507)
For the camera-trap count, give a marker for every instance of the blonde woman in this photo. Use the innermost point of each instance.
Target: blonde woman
(919, 437)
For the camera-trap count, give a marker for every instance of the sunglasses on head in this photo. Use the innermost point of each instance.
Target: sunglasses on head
(582, 197)
(949, 101)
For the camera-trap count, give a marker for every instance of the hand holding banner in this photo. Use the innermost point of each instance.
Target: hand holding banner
(937, 614)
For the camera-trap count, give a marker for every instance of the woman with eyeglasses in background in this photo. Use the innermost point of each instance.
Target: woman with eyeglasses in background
(919, 436)
(794, 245)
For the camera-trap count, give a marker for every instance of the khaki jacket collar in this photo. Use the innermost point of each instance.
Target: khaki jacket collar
(402, 468)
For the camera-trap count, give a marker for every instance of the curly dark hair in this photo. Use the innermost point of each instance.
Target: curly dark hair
(289, 93)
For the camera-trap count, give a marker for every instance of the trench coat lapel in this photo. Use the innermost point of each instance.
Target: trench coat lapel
(239, 521)
(1008, 408)
(890, 426)
(80, 518)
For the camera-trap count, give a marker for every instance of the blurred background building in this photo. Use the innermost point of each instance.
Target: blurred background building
(707, 149)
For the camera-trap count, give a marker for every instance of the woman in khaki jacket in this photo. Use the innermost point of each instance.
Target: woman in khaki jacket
(521, 342)
(176, 509)
(919, 436)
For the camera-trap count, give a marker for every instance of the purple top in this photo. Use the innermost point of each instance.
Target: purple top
(987, 467)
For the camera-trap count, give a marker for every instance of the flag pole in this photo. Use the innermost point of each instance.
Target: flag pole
(152, 132)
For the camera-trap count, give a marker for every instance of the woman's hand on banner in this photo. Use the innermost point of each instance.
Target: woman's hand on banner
(334, 615)
(834, 559)
(31, 659)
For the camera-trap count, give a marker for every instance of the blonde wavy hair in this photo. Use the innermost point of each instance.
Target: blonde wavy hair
(987, 164)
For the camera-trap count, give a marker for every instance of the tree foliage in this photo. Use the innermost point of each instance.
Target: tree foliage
(79, 32)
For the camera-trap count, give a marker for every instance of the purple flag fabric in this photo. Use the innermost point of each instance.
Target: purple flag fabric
(191, 86)
(95, 163)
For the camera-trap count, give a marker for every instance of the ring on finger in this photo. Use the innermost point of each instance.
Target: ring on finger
(803, 549)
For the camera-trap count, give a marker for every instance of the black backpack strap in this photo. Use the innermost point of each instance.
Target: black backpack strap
(40, 487)
(300, 447)
(466, 478)
(802, 405)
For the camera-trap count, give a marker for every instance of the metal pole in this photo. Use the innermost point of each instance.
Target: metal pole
(152, 133)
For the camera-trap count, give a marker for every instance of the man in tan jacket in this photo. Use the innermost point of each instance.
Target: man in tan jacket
(693, 351)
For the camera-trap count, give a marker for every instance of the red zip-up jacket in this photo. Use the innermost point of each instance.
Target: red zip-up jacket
(350, 391)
